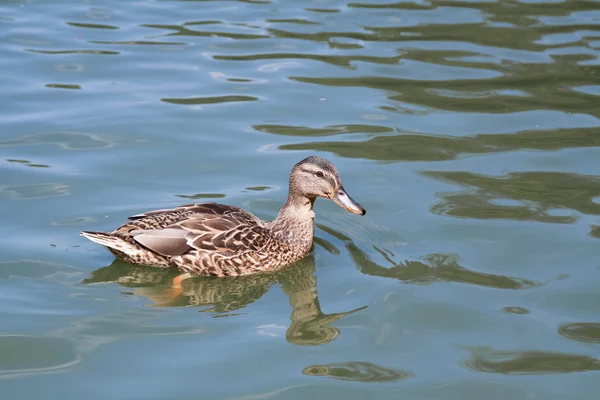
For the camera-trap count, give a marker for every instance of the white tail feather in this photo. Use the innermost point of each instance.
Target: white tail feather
(113, 242)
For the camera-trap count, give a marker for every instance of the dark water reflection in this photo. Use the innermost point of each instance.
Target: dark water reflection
(358, 372)
(587, 332)
(530, 362)
(506, 94)
(309, 325)
(210, 100)
(342, 61)
(538, 193)
(412, 147)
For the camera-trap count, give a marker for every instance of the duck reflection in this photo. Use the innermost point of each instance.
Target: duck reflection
(435, 267)
(309, 325)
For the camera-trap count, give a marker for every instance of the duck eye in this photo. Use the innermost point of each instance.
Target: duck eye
(319, 174)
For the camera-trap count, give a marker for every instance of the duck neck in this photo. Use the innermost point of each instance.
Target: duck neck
(295, 222)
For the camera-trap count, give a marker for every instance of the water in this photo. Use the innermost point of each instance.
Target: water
(468, 130)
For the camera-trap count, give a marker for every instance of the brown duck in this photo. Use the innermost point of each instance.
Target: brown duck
(220, 240)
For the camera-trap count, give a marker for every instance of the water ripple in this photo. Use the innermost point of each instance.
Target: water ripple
(344, 61)
(65, 140)
(140, 42)
(34, 191)
(101, 52)
(91, 26)
(183, 30)
(26, 355)
(289, 130)
(209, 100)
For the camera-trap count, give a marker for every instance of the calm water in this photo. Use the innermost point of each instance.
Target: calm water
(469, 130)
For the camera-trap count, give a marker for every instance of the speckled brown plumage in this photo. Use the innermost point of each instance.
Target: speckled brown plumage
(220, 240)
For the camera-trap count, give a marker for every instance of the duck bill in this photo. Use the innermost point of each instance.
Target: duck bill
(342, 199)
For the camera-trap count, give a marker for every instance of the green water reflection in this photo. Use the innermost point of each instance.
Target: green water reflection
(539, 194)
(530, 362)
(411, 147)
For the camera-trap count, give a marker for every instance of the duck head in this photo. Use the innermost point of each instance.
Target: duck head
(316, 177)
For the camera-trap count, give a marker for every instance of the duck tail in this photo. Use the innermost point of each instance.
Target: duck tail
(110, 241)
(126, 251)
(103, 238)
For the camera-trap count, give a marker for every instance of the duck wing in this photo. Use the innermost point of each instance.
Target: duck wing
(205, 227)
(162, 218)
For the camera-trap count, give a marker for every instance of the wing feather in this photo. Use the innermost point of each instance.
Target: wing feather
(167, 242)
(204, 227)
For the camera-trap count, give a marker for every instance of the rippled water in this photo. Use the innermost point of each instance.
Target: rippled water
(468, 129)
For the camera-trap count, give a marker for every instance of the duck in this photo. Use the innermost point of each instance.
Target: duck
(220, 240)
